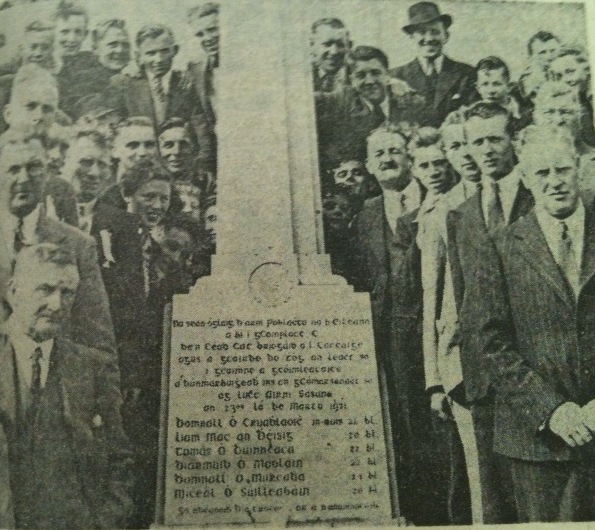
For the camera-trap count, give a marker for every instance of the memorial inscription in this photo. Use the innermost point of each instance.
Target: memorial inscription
(274, 418)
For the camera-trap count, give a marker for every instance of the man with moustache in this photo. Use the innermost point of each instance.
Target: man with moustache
(24, 223)
(346, 118)
(59, 404)
(502, 200)
(532, 305)
(329, 44)
(444, 84)
(387, 270)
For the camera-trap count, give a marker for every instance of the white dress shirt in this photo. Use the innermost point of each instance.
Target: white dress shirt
(398, 203)
(550, 226)
(425, 64)
(85, 214)
(508, 189)
(384, 106)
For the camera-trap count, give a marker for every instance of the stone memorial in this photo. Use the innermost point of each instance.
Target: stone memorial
(273, 405)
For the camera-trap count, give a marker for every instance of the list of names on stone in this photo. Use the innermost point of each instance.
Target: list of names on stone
(273, 419)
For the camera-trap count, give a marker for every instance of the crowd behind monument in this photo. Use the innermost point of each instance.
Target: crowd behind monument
(461, 200)
(458, 197)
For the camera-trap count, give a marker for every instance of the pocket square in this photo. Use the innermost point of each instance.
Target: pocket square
(97, 421)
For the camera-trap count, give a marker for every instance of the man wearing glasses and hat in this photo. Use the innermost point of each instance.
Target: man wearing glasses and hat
(444, 83)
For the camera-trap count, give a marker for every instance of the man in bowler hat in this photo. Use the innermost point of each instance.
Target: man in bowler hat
(445, 84)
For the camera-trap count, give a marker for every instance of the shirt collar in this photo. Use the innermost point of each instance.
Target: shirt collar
(30, 222)
(85, 209)
(425, 64)
(550, 225)
(385, 105)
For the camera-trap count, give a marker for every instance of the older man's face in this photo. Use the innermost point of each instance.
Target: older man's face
(329, 47)
(22, 177)
(552, 176)
(387, 160)
(41, 297)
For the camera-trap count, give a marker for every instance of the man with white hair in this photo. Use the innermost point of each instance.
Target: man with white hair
(531, 299)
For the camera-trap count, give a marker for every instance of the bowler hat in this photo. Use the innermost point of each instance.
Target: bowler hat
(424, 12)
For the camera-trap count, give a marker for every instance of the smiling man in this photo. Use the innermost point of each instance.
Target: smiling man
(445, 84)
(345, 118)
(159, 91)
(329, 45)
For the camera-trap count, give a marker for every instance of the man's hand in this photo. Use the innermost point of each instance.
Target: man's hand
(439, 405)
(568, 422)
(589, 415)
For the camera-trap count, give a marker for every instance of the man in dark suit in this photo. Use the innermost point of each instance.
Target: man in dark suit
(116, 233)
(60, 405)
(445, 84)
(158, 91)
(330, 45)
(22, 170)
(387, 270)
(502, 200)
(533, 314)
(204, 22)
(345, 118)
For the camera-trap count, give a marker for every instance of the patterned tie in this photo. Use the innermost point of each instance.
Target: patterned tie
(566, 257)
(379, 116)
(19, 237)
(495, 210)
(432, 78)
(159, 100)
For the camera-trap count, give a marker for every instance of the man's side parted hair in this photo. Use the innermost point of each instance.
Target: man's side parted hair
(152, 31)
(489, 109)
(67, 9)
(331, 22)
(368, 53)
(493, 63)
(542, 36)
(424, 137)
(203, 10)
(102, 28)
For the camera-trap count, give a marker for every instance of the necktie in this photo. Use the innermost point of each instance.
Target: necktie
(566, 257)
(19, 237)
(495, 211)
(379, 116)
(432, 78)
(150, 267)
(35, 380)
(159, 99)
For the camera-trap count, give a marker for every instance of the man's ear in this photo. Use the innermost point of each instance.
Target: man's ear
(447, 33)
(6, 113)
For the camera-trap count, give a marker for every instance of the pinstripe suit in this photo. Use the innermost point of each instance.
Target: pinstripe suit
(538, 340)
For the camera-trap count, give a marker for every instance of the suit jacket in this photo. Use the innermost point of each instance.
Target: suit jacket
(537, 337)
(90, 324)
(6, 509)
(131, 96)
(467, 238)
(90, 408)
(119, 251)
(454, 87)
(344, 121)
(60, 200)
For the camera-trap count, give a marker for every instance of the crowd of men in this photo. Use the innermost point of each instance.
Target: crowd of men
(107, 209)
(461, 200)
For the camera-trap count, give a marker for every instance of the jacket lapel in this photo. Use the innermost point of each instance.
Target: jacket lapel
(588, 264)
(523, 202)
(8, 392)
(447, 78)
(532, 244)
(377, 230)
